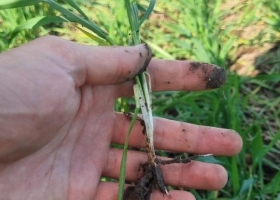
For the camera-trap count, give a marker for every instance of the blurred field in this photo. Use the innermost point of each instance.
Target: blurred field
(241, 36)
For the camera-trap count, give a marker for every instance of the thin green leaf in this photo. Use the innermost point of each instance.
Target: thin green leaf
(131, 19)
(75, 18)
(7, 4)
(76, 6)
(135, 15)
(272, 142)
(178, 29)
(200, 52)
(129, 14)
(35, 23)
(92, 36)
(268, 77)
(271, 164)
(124, 156)
(235, 175)
(246, 185)
(257, 147)
(275, 187)
(147, 13)
(161, 51)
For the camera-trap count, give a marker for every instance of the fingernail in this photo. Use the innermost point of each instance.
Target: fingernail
(216, 78)
(148, 57)
(212, 75)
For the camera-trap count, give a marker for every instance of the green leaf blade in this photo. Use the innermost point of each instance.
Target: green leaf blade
(147, 13)
(7, 4)
(35, 23)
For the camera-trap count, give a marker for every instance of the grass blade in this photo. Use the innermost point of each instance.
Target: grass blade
(124, 155)
(147, 13)
(93, 37)
(76, 6)
(7, 4)
(75, 18)
(235, 175)
(131, 18)
(135, 15)
(161, 51)
(124, 158)
(35, 23)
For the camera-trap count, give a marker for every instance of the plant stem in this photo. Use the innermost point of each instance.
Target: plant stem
(142, 98)
(144, 93)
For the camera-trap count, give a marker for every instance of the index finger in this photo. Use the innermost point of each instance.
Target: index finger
(95, 65)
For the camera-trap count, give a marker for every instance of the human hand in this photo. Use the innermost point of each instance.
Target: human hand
(57, 122)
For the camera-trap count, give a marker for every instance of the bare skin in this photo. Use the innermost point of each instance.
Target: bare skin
(57, 122)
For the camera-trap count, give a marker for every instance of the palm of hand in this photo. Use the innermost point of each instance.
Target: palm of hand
(72, 162)
(73, 126)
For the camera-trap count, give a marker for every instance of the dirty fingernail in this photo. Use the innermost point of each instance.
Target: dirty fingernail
(216, 78)
(148, 57)
(213, 76)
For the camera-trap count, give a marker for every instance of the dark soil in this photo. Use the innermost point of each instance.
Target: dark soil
(152, 179)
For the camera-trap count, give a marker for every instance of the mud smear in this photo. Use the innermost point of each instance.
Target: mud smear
(216, 79)
(144, 187)
(212, 75)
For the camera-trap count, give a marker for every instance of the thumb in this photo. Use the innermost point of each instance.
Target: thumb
(109, 65)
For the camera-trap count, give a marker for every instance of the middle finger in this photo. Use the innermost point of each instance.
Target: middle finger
(180, 137)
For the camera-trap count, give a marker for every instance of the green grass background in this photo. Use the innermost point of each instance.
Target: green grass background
(215, 31)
